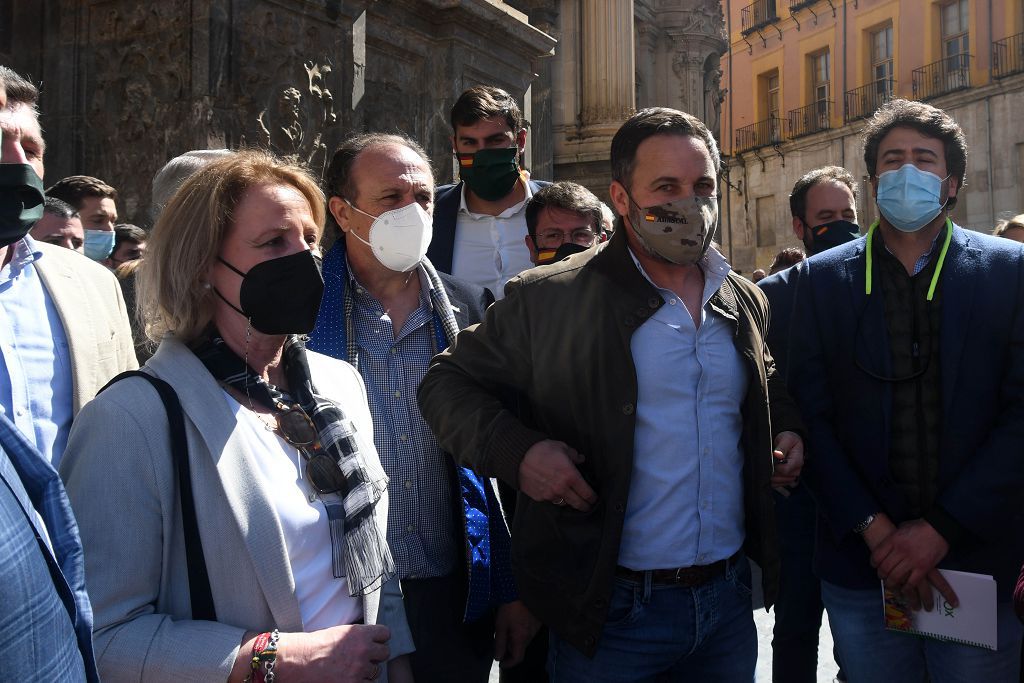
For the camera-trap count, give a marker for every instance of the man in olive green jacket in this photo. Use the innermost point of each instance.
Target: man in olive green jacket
(620, 354)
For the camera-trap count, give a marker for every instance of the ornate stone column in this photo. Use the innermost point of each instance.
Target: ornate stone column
(608, 65)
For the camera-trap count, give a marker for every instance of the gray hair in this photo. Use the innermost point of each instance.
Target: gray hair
(169, 178)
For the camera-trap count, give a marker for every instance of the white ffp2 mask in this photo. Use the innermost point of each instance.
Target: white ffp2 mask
(398, 238)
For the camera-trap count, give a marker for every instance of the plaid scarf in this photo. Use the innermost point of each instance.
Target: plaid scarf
(359, 547)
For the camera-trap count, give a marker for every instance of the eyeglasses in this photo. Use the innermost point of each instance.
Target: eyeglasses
(297, 429)
(552, 239)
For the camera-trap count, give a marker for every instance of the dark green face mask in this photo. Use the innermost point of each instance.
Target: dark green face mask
(21, 201)
(490, 173)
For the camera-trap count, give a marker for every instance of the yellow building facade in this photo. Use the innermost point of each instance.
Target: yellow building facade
(803, 75)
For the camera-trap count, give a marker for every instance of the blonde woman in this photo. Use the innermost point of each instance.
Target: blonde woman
(288, 494)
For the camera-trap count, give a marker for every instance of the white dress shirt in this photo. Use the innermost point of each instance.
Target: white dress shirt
(491, 250)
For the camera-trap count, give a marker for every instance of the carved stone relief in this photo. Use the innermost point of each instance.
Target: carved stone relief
(286, 85)
(138, 58)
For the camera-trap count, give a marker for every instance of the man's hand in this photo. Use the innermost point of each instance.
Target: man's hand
(789, 459)
(906, 561)
(548, 474)
(514, 628)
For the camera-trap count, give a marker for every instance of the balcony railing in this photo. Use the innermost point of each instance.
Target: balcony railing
(757, 15)
(759, 134)
(1008, 56)
(863, 101)
(795, 5)
(810, 119)
(941, 77)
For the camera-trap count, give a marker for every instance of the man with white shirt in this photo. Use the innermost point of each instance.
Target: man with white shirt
(63, 324)
(480, 222)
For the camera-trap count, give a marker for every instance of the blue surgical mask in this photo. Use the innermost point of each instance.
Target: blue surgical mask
(910, 198)
(99, 244)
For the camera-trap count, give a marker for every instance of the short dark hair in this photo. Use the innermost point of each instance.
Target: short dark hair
(798, 198)
(75, 188)
(926, 119)
(59, 208)
(19, 90)
(786, 258)
(126, 232)
(338, 179)
(656, 121)
(568, 196)
(483, 102)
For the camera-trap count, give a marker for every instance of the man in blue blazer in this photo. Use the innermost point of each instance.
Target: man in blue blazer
(907, 364)
(480, 222)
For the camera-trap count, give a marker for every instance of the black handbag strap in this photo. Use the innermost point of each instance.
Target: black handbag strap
(198, 579)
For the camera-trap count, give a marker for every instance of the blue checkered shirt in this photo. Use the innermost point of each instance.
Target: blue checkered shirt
(421, 524)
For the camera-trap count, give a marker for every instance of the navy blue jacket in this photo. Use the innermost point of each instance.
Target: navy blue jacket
(848, 413)
(447, 200)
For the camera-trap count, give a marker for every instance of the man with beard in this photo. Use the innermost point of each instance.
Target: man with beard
(643, 486)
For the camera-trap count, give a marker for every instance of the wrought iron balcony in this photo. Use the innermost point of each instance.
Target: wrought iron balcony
(944, 76)
(795, 5)
(759, 134)
(810, 119)
(757, 15)
(1008, 56)
(863, 101)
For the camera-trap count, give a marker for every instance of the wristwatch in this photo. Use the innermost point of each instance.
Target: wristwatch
(863, 526)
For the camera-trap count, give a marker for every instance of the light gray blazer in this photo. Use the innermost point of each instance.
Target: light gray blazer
(121, 480)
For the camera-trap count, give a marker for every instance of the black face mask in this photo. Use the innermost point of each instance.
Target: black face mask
(829, 235)
(490, 173)
(282, 295)
(545, 256)
(21, 201)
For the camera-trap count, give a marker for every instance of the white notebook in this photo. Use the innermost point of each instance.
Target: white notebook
(972, 623)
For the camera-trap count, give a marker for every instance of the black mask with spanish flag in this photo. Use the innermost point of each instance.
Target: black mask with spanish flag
(490, 173)
(545, 256)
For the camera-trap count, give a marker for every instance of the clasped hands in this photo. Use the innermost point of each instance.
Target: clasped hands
(906, 558)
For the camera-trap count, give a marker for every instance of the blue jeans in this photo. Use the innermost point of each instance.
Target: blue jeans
(872, 654)
(660, 633)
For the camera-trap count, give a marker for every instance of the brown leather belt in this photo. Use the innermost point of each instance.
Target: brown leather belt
(687, 577)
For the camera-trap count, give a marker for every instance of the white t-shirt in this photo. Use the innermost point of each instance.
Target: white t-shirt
(323, 600)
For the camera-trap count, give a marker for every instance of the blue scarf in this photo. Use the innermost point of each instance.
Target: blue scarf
(488, 546)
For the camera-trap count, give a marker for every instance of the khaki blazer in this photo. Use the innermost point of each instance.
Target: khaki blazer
(121, 480)
(90, 304)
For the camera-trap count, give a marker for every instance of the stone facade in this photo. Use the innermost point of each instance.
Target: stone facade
(614, 57)
(757, 222)
(128, 85)
(982, 90)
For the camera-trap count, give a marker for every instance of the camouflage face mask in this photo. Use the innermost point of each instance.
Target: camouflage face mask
(679, 231)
